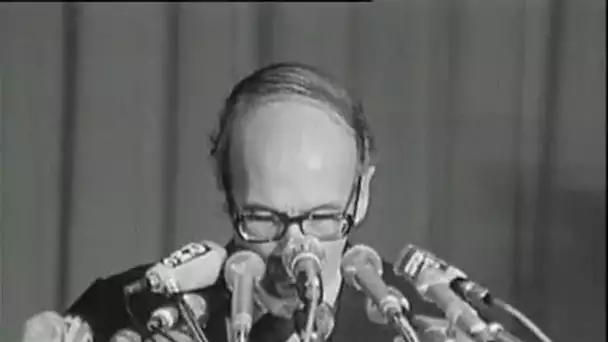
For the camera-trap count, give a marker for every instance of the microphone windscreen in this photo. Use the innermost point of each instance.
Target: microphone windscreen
(44, 326)
(126, 335)
(303, 247)
(357, 257)
(77, 330)
(196, 303)
(243, 262)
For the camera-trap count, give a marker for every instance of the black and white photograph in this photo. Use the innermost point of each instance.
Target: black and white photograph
(355, 171)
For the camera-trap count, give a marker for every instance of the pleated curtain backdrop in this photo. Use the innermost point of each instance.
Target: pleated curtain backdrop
(489, 116)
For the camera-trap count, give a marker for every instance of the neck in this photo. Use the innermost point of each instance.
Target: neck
(331, 287)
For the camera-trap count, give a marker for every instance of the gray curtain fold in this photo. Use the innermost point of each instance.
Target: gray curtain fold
(489, 117)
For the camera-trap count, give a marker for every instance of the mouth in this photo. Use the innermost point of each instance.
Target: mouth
(277, 281)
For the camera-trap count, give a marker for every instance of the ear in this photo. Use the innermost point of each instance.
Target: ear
(364, 194)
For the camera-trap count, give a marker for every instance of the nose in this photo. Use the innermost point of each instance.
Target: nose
(293, 231)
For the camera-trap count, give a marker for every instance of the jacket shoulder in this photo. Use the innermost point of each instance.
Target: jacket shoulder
(104, 307)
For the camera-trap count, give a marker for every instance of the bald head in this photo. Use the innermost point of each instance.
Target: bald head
(293, 154)
(283, 80)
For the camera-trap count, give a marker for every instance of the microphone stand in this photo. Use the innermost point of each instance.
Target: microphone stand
(398, 320)
(400, 323)
(311, 293)
(195, 329)
(186, 312)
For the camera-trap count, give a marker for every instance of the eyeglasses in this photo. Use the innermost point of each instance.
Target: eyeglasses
(268, 226)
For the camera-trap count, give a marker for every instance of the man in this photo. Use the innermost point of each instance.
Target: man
(294, 156)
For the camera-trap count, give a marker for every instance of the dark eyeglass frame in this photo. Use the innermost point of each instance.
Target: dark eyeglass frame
(346, 219)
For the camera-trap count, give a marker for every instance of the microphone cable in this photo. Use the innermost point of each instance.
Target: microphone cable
(188, 315)
(473, 292)
(521, 318)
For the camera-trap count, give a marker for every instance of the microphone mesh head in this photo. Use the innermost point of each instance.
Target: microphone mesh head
(303, 247)
(126, 335)
(197, 304)
(359, 256)
(243, 262)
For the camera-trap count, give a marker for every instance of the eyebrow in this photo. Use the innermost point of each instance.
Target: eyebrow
(253, 206)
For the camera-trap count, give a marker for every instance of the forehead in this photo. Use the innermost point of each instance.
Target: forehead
(293, 154)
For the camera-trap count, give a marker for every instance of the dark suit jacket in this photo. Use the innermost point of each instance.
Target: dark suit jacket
(103, 306)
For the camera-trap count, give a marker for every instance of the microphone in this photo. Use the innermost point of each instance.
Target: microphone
(44, 326)
(168, 316)
(418, 259)
(433, 329)
(126, 335)
(432, 279)
(362, 269)
(171, 336)
(324, 322)
(242, 271)
(375, 315)
(303, 259)
(194, 266)
(77, 330)
(50, 326)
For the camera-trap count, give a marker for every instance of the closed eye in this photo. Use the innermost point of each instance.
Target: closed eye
(260, 216)
(324, 216)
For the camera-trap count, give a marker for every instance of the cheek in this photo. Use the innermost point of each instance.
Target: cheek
(262, 249)
(333, 254)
